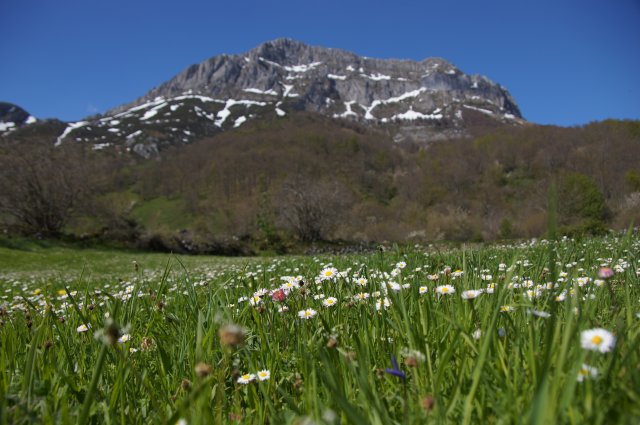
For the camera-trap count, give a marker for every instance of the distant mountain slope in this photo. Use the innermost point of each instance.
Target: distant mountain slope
(13, 117)
(422, 101)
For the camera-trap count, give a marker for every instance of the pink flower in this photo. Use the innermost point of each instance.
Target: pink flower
(279, 295)
(605, 273)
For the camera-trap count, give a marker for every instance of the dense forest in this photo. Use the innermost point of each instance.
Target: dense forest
(276, 184)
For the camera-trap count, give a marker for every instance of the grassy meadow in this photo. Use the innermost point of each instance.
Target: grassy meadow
(536, 332)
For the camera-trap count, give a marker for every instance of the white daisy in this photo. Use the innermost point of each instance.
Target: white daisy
(264, 375)
(330, 302)
(328, 273)
(445, 289)
(587, 371)
(597, 339)
(383, 303)
(246, 378)
(470, 294)
(361, 281)
(83, 328)
(307, 314)
(124, 338)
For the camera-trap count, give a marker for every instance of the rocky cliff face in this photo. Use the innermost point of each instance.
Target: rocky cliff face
(422, 101)
(339, 83)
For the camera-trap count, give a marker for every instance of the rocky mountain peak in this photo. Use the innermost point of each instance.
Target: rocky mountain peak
(423, 100)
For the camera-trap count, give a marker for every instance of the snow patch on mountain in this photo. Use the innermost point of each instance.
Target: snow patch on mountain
(70, 127)
(348, 112)
(258, 91)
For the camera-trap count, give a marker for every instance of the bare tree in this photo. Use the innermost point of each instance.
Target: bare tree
(41, 186)
(312, 208)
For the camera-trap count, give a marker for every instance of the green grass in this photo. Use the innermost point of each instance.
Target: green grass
(56, 259)
(163, 213)
(466, 361)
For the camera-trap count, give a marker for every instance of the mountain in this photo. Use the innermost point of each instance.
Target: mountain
(13, 117)
(407, 100)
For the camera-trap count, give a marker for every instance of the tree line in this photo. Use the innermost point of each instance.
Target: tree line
(273, 184)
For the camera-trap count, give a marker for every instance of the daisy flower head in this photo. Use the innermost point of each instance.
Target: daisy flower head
(539, 313)
(383, 303)
(585, 372)
(328, 273)
(288, 285)
(597, 339)
(423, 290)
(361, 281)
(401, 265)
(246, 378)
(83, 328)
(445, 290)
(307, 314)
(582, 281)
(561, 296)
(255, 300)
(330, 302)
(263, 375)
(124, 338)
(470, 294)
(394, 286)
(361, 296)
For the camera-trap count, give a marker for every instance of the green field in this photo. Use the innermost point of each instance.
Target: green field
(524, 333)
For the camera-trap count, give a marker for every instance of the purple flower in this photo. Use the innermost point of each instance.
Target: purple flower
(605, 273)
(396, 370)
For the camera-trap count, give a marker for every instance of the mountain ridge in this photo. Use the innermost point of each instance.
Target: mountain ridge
(421, 101)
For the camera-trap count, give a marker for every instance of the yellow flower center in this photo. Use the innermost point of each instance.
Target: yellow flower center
(445, 290)
(583, 372)
(597, 340)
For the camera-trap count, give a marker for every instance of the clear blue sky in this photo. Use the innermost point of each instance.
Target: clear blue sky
(566, 62)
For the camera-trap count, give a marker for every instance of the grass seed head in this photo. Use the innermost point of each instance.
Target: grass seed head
(332, 342)
(231, 335)
(203, 370)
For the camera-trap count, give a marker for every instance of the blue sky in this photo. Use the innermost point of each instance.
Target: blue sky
(566, 62)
